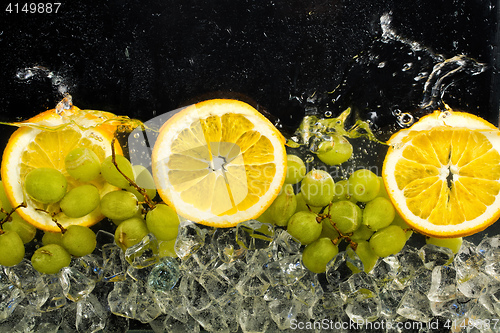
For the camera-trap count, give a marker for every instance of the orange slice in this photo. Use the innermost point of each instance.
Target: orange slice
(443, 174)
(219, 162)
(44, 141)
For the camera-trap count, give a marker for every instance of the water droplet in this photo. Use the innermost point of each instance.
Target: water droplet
(382, 64)
(328, 114)
(24, 74)
(309, 158)
(421, 76)
(396, 112)
(136, 135)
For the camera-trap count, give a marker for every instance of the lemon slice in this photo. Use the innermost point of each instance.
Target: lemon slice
(219, 162)
(44, 141)
(443, 174)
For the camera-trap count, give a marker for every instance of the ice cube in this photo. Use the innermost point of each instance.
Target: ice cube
(285, 271)
(164, 275)
(53, 293)
(90, 315)
(254, 235)
(443, 285)
(115, 266)
(225, 245)
(144, 253)
(415, 306)
(74, 284)
(254, 315)
(433, 255)
(340, 268)
(189, 240)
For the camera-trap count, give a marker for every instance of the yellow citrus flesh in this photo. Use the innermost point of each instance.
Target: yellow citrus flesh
(45, 143)
(443, 174)
(219, 162)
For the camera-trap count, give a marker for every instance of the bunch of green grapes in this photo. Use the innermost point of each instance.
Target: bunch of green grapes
(324, 214)
(76, 194)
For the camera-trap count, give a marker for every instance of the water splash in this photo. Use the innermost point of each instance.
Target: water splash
(29, 73)
(443, 75)
(313, 130)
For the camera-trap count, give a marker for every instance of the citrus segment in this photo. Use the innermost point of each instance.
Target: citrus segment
(443, 174)
(219, 162)
(44, 143)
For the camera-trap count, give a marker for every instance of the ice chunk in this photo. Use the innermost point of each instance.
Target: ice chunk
(225, 245)
(164, 275)
(74, 284)
(433, 255)
(415, 306)
(340, 268)
(115, 266)
(443, 286)
(285, 271)
(90, 315)
(254, 315)
(254, 235)
(189, 240)
(144, 253)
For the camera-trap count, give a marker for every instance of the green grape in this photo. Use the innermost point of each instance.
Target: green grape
(454, 244)
(361, 234)
(45, 185)
(328, 230)
(82, 164)
(378, 213)
(80, 201)
(79, 240)
(167, 249)
(305, 227)
(130, 232)
(143, 179)
(302, 206)
(335, 151)
(319, 253)
(163, 222)
(342, 192)
(52, 238)
(284, 206)
(49, 259)
(383, 191)
(111, 173)
(119, 205)
(399, 221)
(295, 169)
(318, 188)
(265, 217)
(24, 229)
(366, 255)
(387, 241)
(346, 216)
(364, 185)
(11, 248)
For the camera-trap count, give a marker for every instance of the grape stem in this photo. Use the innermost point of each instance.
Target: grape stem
(142, 191)
(7, 217)
(63, 230)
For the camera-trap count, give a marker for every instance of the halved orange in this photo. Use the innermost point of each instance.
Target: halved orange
(443, 174)
(44, 141)
(219, 162)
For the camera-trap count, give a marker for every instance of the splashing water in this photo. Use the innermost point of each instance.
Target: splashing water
(66, 114)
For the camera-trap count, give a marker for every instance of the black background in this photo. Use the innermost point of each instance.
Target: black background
(144, 58)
